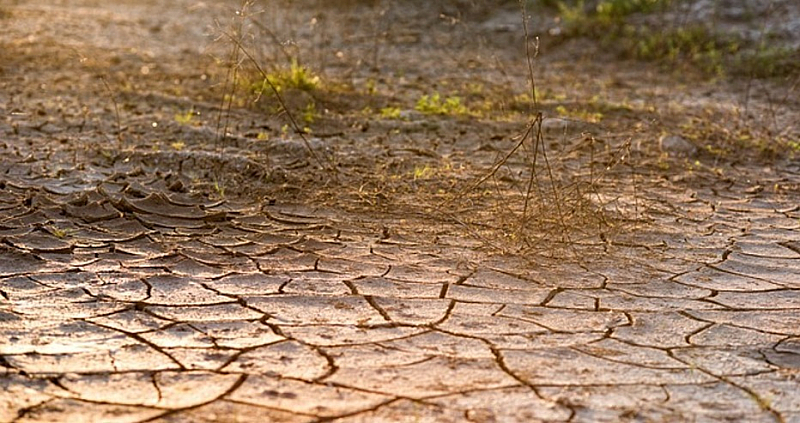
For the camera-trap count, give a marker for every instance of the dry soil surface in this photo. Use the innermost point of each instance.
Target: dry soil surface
(174, 250)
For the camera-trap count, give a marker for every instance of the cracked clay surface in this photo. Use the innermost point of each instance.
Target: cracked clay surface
(126, 296)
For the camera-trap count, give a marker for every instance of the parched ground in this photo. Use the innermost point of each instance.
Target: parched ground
(417, 240)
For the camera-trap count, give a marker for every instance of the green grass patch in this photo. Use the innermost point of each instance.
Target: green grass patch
(390, 113)
(296, 76)
(692, 45)
(434, 104)
(727, 136)
(579, 17)
(185, 118)
(712, 53)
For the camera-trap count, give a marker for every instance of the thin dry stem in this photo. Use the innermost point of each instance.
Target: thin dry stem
(116, 108)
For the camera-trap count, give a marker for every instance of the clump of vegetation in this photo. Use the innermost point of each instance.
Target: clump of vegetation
(695, 44)
(607, 13)
(310, 113)
(185, 118)
(584, 115)
(296, 76)
(716, 134)
(434, 104)
(390, 113)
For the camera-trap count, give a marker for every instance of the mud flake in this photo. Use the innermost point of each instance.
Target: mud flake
(288, 359)
(159, 204)
(725, 335)
(437, 376)
(498, 296)
(782, 299)
(93, 212)
(396, 289)
(306, 309)
(153, 220)
(192, 268)
(238, 334)
(716, 401)
(617, 351)
(566, 320)
(235, 412)
(785, 322)
(248, 284)
(324, 335)
(567, 367)
(481, 320)
(507, 404)
(172, 290)
(304, 398)
(74, 410)
(15, 263)
(414, 311)
(204, 313)
(659, 329)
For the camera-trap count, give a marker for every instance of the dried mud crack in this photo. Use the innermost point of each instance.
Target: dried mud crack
(171, 250)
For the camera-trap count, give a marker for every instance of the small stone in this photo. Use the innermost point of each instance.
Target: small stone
(675, 145)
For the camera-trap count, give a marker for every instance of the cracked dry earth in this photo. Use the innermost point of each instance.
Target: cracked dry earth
(128, 297)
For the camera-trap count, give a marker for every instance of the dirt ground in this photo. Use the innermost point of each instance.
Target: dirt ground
(615, 250)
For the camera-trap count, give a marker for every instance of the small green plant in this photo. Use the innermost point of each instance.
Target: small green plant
(617, 10)
(390, 113)
(301, 77)
(606, 13)
(296, 77)
(309, 113)
(371, 86)
(185, 118)
(219, 189)
(584, 115)
(794, 147)
(692, 44)
(58, 232)
(475, 88)
(423, 172)
(434, 104)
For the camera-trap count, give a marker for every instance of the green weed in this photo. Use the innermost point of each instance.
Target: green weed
(423, 172)
(434, 104)
(390, 113)
(606, 13)
(309, 113)
(219, 189)
(699, 46)
(584, 115)
(296, 77)
(719, 138)
(59, 232)
(185, 118)
(617, 10)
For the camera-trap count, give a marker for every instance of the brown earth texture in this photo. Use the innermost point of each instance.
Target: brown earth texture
(409, 211)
